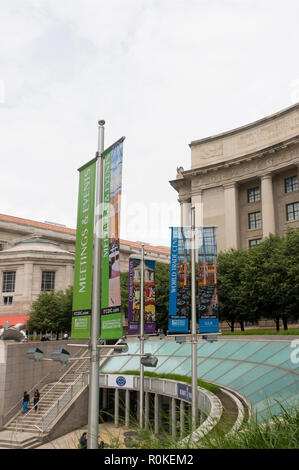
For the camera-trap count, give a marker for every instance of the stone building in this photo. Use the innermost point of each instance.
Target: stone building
(244, 181)
(37, 256)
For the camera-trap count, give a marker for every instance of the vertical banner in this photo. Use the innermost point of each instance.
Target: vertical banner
(179, 284)
(111, 317)
(207, 280)
(82, 296)
(134, 296)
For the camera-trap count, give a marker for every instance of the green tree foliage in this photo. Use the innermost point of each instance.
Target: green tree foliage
(260, 282)
(52, 311)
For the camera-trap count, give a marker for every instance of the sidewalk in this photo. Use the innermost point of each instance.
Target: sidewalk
(108, 433)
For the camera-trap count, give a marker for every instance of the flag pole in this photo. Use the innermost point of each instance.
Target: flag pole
(193, 330)
(141, 375)
(94, 383)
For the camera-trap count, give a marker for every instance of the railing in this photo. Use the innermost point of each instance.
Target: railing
(14, 409)
(61, 403)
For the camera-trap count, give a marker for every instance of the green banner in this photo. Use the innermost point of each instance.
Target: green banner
(111, 326)
(110, 289)
(82, 297)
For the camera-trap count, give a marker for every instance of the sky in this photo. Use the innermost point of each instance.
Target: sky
(162, 73)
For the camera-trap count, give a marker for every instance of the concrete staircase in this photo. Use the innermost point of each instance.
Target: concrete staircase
(23, 430)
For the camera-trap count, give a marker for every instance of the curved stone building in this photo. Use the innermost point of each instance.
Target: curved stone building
(245, 181)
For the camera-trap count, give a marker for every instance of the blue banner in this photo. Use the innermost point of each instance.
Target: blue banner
(179, 285)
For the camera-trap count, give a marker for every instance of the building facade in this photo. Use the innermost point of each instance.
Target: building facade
(244, 181)
(37, 256)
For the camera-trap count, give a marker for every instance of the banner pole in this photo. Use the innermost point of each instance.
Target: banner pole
(193, 317)
(94, 384)
(141, 387)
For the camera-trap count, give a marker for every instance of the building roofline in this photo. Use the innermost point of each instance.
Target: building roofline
(263, 120)
(71, 231)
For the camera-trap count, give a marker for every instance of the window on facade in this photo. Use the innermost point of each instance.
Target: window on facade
(254, 242)
(1, 246)
(254, 194)
(9, 281)
(48, 280)
(7, 300)
(291, 184)
(293, 211)
(254, 220)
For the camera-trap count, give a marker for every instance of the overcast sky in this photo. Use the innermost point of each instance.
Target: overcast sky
(160, 72)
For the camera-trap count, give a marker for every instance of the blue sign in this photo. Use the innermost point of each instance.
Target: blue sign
(121, 381)
(185, 392)
(178, 325)
(208, 325)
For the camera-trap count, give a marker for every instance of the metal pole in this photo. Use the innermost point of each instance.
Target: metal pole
(94, 385)
(193, 316)
(141, 386)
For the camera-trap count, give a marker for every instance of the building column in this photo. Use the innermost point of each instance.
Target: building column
(231, 205)
(268, 214)
(182, 419)
(116, 407)
(173, 417)
(28, 281)
(156, 413)
(197, 202)
(127, 411)
(146, 411)
(185, 213)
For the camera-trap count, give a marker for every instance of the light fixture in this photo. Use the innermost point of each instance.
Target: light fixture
(35, 354)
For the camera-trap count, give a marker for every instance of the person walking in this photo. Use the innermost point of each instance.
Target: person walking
(83, 441)
(26, 400)
(36, 397)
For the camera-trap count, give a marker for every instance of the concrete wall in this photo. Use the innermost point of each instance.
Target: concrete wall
(18, 373)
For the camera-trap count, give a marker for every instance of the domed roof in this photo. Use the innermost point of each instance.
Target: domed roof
(35, 243)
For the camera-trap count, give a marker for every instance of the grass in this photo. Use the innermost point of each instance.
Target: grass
(179, 378)
(261, 332)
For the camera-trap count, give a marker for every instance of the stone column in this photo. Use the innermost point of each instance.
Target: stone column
(28, 281)
(127, 412)
(146, 412)
(156, 413)
(182, 419)
(185, 213)
(197, 201)
(116, 407)
(69, 275)
(231, 204)
(173, 417)
(268, 214)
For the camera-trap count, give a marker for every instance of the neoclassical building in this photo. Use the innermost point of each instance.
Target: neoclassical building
(37, 256)
(244, 181)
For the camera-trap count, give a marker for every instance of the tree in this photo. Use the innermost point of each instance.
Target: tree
(52, 311)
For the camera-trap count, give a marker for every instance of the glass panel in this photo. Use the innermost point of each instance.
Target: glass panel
(251, 374)
(266, 352)
(248, 349)
(262, 381)
(218, 371)
(283, 357)
(206, 366)
(228, 349)
(236, 372)
(209, 348)
(261, 389)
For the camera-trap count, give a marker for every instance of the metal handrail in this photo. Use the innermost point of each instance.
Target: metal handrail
(19, 402)
(56, 405)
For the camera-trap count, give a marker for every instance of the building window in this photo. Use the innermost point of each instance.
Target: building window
(1, 246)
(254, 220)
(254, 242)
(48, 280)
(291, 184)
(9, 281)
(254, 194)
(7, 300)
(293, 211)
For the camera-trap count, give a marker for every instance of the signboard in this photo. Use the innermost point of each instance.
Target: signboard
(82, 296)
(185, 392)
(121, 381)
(134, 296)
(179, 284)
(207, 280)
(111, 317)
